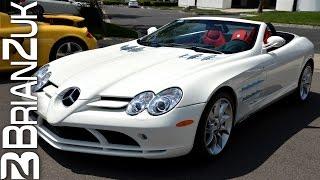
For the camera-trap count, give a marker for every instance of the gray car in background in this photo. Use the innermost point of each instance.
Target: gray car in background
(58, 6)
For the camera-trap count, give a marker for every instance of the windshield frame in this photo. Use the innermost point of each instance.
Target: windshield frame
(226, 21)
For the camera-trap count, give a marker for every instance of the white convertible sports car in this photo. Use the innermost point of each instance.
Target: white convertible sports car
(180, 89)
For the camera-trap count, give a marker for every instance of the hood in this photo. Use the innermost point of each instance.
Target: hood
(127, 69)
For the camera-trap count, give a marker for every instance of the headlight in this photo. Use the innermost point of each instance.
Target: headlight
(165, 101)
(43, 76)
(139, 103)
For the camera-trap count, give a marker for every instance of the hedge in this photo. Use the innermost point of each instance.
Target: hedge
(114, 2)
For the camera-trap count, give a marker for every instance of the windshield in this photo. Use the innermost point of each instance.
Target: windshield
(205, 35)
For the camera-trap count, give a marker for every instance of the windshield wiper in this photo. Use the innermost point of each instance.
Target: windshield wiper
(148, 43)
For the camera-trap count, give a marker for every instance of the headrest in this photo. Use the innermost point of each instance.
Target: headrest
(240, 35)
(213, 34)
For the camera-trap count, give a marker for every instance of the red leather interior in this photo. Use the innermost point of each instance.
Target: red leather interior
(240, 34)
(267, 34)
(252, 36)
(214, 38)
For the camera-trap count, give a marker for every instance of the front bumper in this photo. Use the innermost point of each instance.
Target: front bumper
(149, 136)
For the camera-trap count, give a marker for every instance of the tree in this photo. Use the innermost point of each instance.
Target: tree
(261, 4)
(295, 2)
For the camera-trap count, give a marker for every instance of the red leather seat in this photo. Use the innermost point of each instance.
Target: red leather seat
(214, 38)
(253, 34)
(267, 34)
(241, 35)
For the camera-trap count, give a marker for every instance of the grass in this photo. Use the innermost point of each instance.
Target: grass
(113, 30)
(209, 12)
(302, 18)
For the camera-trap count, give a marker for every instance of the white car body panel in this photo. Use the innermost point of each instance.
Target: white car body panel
(256, 77)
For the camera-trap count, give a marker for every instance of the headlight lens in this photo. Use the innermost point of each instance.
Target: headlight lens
(165, 101)
(139, 103)
(43, 76)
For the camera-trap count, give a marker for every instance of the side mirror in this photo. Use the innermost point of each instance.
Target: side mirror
(152, 30)
(274, 42)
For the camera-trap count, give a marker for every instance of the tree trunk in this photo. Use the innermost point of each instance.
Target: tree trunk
(260, 8)
(295, 3)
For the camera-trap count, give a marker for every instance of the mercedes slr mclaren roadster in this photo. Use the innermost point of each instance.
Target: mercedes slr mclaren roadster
(180, 89)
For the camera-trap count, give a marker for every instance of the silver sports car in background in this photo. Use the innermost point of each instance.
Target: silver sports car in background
(58, 6)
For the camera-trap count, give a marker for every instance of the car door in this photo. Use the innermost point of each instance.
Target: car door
(5, 65)
(68, 7)
(281, 68)
(59, 6)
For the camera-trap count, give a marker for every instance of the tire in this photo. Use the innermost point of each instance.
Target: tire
(38, 10)
(302, 93)
(61, 48)
(202, 147)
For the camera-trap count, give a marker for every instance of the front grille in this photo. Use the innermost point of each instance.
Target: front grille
(72, 133)
(118, 138)
(81, 134)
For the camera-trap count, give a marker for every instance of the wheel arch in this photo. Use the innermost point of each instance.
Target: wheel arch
(311, 61)
(230, 91)
(227, 89)
(83, 43)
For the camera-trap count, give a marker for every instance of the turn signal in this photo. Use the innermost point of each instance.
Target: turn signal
(184, 123)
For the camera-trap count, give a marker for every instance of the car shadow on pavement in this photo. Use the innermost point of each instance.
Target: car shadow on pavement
(252, 143)
(4, 78)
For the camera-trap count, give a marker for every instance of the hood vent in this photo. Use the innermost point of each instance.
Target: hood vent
(125, 99)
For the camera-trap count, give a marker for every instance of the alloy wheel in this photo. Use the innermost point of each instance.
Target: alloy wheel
(305, 83)
(68, 48)
(218, 126)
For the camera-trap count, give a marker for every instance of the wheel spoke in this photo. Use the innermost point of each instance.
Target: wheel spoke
(225, 118)
(223, 130)
(209, 130)
(210, 139)
(219, 140)
(211, 116)
(217, 109)
(77, 51)
(69, 48)
(60, 54)
(222, 109)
